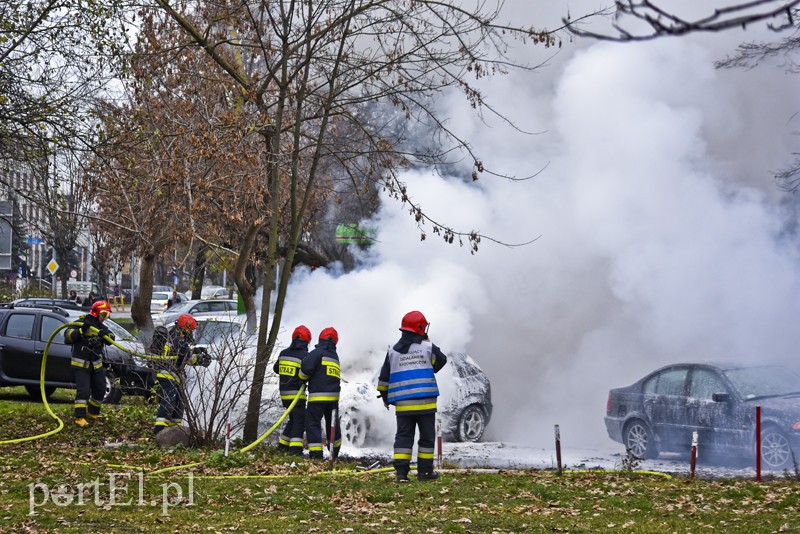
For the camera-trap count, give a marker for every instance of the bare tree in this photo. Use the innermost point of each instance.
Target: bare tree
(659, 21)
(310, 68)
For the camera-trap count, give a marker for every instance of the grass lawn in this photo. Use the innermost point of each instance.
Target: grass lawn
(101, 480)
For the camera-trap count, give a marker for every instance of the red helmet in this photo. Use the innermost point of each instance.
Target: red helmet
(187, 322)
(415, 322)
(303, 333)
(100, 309)
(329, 332)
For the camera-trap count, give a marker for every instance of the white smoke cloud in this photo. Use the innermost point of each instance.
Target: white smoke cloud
(661, 235)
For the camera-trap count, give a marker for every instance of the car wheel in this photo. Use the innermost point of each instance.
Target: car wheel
(776, 451)
(36, 393)
(113, 392)
(354, 429)
(638, 439)
(471, 424)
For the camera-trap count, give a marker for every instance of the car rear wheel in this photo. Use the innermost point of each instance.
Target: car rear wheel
(639, 440)
(113, 392)
(36, 393)
(471, 424)
(776, 451)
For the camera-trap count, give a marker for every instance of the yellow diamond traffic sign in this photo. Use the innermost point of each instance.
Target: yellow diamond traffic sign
(52, 266)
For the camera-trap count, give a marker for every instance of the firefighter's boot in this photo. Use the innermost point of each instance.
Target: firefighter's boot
(430, 475)
(402, 473)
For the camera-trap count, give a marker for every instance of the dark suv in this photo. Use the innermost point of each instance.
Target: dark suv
(24, 331)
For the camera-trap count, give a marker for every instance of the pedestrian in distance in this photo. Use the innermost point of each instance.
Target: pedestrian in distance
(73, 297)
(172, 352)
(88, 338)
(174, 300)
(407, 381)
(320, 369)
(288, 369)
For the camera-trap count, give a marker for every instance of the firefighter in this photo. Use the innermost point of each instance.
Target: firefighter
(170, 365)
(407, 381)
(288, 369)
(88, 339)
(321, 370)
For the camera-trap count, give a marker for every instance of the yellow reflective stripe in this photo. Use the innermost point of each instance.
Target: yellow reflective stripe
(425, 455)
(166, 375)
(414, 407)
(401, 456)
(314, 448)
(312, 398)
(382, 387)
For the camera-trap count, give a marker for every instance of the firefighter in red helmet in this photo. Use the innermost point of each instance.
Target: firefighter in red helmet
(88, 339)
(321, 369)
(288, 368)
(170, 364)
(407, 381)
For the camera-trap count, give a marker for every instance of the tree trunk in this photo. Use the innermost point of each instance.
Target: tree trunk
(199, 271)
(140, 309)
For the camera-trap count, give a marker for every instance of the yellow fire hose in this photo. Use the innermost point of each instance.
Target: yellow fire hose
(244, 449)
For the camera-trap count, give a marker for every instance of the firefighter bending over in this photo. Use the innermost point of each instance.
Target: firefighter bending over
(88, 344)
(170, 366)
(321, 369)
(288, 369)
(407, 380)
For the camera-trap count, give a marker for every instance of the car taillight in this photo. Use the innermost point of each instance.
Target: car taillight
(608, 404)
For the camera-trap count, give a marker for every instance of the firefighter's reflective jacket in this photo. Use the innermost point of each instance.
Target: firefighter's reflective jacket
(88, 342)
(288, 368)
(176, 355)
(407, 377)
(321, 369)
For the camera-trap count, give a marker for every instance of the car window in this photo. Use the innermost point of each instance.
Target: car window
(183, 307)
(705, 383)
(119, 332)
(20, 325)
(217, 306)
(49, 325)
(200, 307)
(670, 382)
(230, 306)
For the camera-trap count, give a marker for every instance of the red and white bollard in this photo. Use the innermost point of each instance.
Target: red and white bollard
(694, 455)
(558, 448)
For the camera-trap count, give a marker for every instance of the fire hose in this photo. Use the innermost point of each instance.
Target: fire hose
(133, 353)
(177, 467)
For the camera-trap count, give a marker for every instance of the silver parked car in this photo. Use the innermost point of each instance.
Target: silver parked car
(195, 308)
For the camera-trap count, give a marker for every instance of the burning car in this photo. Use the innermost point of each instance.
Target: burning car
(661, 411)
(465, 404)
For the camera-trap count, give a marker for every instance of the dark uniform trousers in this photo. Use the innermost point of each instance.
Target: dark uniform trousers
(292, 437)
(404, 441)
(315, 412)
(170, 407)
(90, 389)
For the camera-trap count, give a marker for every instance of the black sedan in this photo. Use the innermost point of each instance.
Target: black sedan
(660, 412)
